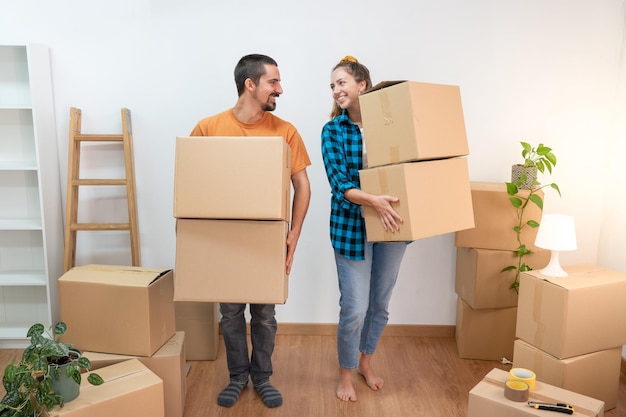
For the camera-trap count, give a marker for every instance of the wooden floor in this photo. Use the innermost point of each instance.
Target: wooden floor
(423, 377)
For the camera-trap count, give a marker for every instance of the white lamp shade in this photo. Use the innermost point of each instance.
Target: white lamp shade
(556, 232)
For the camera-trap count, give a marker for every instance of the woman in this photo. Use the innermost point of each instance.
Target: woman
(366, 271)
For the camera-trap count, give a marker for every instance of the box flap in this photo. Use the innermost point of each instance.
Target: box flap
(129, 276)
(383, 84)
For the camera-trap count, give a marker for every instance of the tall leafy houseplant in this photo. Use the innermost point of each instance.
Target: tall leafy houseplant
(524, 177)
(29, 381)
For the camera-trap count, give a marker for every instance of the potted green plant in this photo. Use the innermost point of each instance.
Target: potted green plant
(524, 177)
(36, 382)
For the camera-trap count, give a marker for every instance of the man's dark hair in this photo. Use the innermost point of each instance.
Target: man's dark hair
(251, 66)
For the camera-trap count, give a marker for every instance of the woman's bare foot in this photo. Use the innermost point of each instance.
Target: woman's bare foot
(345, 387)
(365, 369)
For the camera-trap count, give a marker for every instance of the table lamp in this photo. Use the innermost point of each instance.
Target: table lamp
(556, 233)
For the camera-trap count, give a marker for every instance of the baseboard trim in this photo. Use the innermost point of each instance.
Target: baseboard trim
(397, 330)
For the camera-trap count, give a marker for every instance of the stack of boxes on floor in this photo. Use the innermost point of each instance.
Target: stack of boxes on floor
(415, 140)
(486, 306)
(122, 319)
(232, 205)
(571, 330)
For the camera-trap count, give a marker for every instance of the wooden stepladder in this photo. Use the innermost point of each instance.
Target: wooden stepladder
(74, 182)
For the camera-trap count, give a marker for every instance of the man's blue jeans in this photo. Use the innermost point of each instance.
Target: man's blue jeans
(263, 335)
(366, 287)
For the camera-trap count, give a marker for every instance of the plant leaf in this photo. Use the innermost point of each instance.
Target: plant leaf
(556, 187)
(35, 329)
(59, 329)
(511, 188)
(95, 379)
(532, 224)
(516, 201)
(509, 268)
(535, 198)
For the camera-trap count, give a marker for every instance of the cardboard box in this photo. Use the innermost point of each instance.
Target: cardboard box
(130, 390)
(117, 309)
(593, 374)
(200, 322)
(232, 178)
(581, 313)
(487, 399)
(434, 198)
(412, 121)
(495, 217)
(486, 334)
(480, 280)
(232, 261)
(168, 363)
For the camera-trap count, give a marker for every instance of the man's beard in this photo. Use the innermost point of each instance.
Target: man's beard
(269, 105)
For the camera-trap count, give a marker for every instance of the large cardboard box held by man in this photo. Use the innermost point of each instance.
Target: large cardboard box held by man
(595, 374)
(412, 121)
(480, 280)
(232, 261)
(581, 313)
(117, 309)
(129, 390)
(487, 399)
(495, 217)
(434, 198)
(232, 178)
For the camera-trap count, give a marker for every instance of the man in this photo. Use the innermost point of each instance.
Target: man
(258, 85)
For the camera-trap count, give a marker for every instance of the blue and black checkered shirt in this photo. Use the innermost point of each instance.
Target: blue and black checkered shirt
(342, 152)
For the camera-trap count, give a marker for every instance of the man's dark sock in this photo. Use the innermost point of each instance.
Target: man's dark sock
(269, 394)
(229, 395)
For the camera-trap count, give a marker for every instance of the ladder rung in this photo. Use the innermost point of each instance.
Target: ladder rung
(99, 182)
(100, 226)
(98, 138)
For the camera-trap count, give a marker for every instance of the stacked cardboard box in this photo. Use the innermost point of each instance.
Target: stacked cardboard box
(571, 330)
(125, 314)
(232, 205)
(129, 390)
(486, 306)
(414, 134)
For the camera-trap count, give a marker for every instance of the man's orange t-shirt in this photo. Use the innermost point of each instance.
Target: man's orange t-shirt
(226, 124)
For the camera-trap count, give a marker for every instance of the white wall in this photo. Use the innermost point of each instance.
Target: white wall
(534, 70)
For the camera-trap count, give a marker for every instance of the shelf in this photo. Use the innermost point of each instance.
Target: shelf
(20, 224)
(23, 278)
(18, 166)
(31, 219)
(14, 331)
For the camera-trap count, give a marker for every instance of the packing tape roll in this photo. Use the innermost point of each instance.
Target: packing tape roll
(523, 374)
(516, 390)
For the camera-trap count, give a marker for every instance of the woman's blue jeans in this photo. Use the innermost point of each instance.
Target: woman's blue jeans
(365, 287)
(262, 334)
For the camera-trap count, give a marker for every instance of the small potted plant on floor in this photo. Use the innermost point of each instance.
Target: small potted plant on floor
(48, 374)
(524, 177)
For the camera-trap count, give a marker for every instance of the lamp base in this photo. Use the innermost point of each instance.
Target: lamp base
(553, 269)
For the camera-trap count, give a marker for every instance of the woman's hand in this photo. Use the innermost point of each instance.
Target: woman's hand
(389, 218)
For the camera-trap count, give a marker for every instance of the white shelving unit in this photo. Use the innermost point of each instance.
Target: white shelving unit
(31, 214)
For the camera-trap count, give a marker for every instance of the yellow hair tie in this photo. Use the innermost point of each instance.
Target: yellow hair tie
(349, 58)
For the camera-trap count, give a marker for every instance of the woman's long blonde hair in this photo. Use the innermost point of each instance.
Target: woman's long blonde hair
(358, 71)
